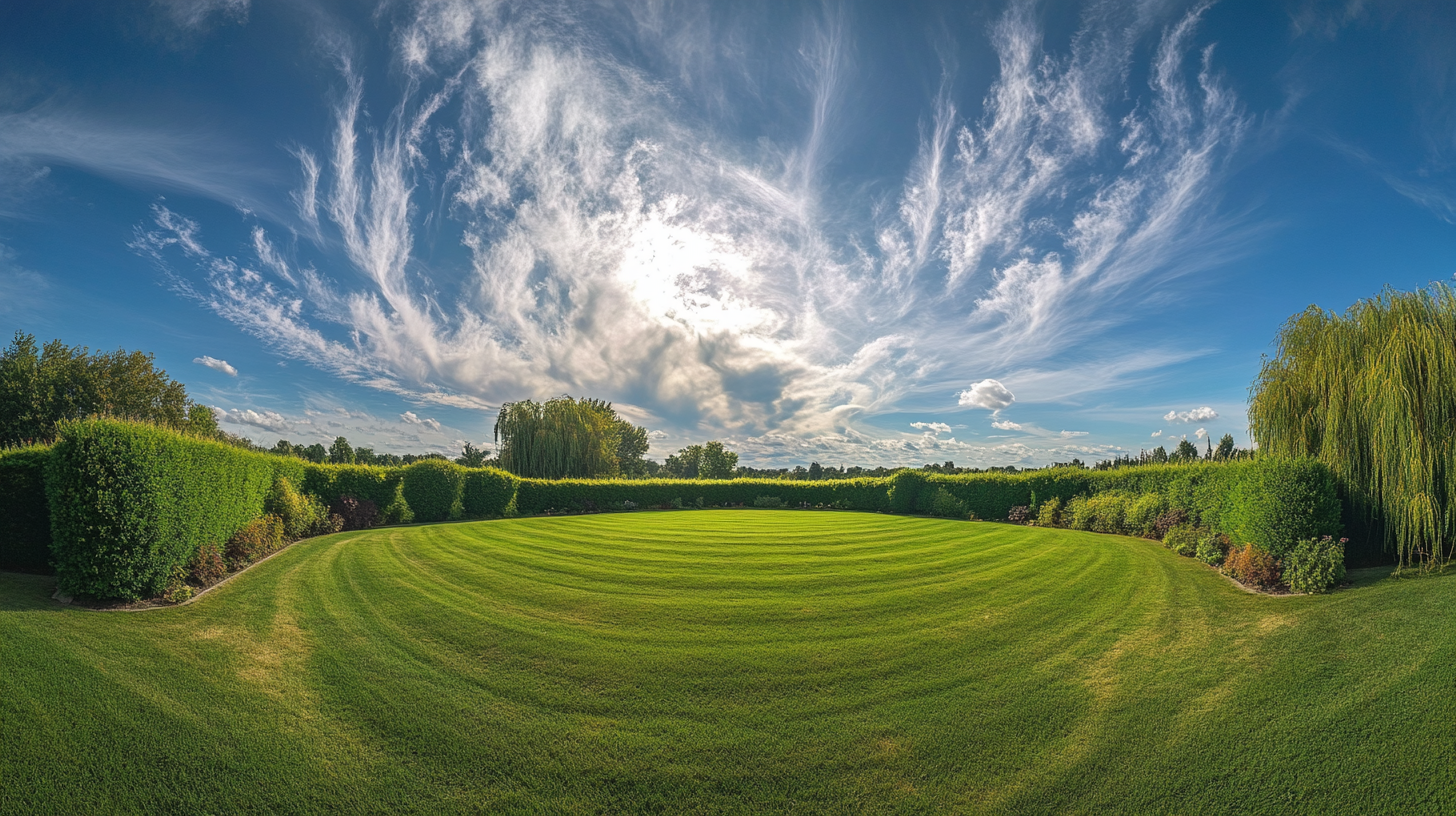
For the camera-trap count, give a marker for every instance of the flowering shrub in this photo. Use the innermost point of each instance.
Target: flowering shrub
(1315, 564)
(1019, 514)
(261, 537)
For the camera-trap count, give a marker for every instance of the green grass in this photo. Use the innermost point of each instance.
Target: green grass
(732, 662)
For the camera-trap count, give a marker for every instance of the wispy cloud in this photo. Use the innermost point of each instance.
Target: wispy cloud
(621, 246)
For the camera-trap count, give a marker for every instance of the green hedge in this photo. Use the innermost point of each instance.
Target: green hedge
(568, 495)
(129, 502)
(488, 493)
(433, 489)
(25, 518)
(329, 483)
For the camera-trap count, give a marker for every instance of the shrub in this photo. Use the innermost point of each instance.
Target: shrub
(25, 518)
(1079, 513)
(207, 567)
(258, 539)
(943, 504)
(1212, 548)
(433, 490)
(768, 501)
(1019, 514)
(488, 493)
(302, 515)
(1283, 501)
(177, 589)
(1143, 513)
(628, 504)
(1109, 511)
(1167, 521)
(906, 488)
(129, 502)
(398, 510)
(355, 514)
(1252, 565)
(1050, 513)
(1315, 564)
(1183, 539)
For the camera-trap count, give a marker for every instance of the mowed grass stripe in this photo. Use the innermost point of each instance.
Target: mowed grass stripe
(730, 662)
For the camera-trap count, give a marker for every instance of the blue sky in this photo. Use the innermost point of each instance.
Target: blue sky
(873, 233)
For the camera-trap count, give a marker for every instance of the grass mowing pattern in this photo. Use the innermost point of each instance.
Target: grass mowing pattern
(731, 662)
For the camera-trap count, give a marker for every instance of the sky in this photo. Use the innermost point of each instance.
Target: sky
(873, 233)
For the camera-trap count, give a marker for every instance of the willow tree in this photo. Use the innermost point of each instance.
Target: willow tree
(565, 438)
(1372, 394)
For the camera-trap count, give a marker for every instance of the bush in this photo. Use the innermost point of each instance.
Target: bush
(25, 518)
(1143, 513)
(1284, 501)
(131, 502)
(433, 488)
(906, 488)
(488, 493)
(398, 510)
(1109, 511)
(302, 515)
(1212, 548)
(1079, 513)
(1050, 513)
(768, 501)
(355, 514)
(177, 590)
(1183, 539)
(945, 505)
(1167, 521)
(1252, 565)
(207, 567)
(1019, 514)
(1315, 564)
(260, 538)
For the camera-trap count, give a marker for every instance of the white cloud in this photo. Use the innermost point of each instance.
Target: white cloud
(216, 365)
(1005, 425)
(1070, 434)
(933, 427)
(657, 434)
(988, 394)
(266, 420)
(1196, 415)
(1200, 433)
(410, 418)
(1157, 433)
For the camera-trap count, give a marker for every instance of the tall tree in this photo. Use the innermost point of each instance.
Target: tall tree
(1372, 394)
(341, 452)
(1186, 452)
(1225, 449)
(718, 462)
(560, 438)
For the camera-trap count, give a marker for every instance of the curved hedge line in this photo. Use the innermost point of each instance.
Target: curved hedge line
(25, 518)
(535, 496)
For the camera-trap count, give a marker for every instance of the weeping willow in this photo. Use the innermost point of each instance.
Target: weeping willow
(1372, 394)
(561, 438)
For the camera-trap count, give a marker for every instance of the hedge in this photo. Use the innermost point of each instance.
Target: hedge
(535, 496)
(25, 519)
(129, 502)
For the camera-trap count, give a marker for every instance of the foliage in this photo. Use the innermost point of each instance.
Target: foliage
(563, 438)
(355, 514)
(177, 591)
(1253, 565)
(1109, 511)
(434, 489)
(1283, 501)
(488, 493)
(301, 514)
(1315, 564)
(398, 510)
(1019, 514)
(1185, 452)
(1212, 548)
(943, 504)
(1050, 513)
(25, 519)
(41, 387)
(1167, 521)
(1183, 539)
(207, 566)
(1372, 394)
(470, 457)
(768, 501)
(1079, 513)
(905, 489)
(1143, 513)
(341, 452)
(129, 502)
(707, 461)
(259, 538)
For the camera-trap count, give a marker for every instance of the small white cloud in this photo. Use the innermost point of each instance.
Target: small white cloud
(411, 418)
(1196, 415)
(1070, 434)
(935, 427)
(216, 365)
(1158, 432)
(657, 434)
(267, 420)
(1005, 425)
(1200, 433)
(988, 394)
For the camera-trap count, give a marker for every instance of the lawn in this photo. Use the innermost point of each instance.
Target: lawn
(732, 662)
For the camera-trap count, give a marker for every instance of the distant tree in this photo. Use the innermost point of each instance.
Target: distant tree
(40, 387)
(363, 456)
(718, 462)
(1159, 455)
(341, 452)
(315, 453)
(816, 471)
(471, 457)
(1186, 452)
(1225, 449)
(632, 446)
(562, 437)
(686, 463)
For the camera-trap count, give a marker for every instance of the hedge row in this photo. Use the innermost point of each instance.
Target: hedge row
(535, 496)
(25, 519)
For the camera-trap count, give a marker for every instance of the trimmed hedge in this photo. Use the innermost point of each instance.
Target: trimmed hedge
(25, 518)
(333, 482)
(433, 489)
(488, 493)
(535, 496)
(130, 503)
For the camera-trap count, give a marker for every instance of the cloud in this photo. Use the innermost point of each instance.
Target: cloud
(1157, 433)
(200, 15)
(988, 394)
(266, 420)
(934, 427)
(1070, 434)
(1005, 425)
(622, 243)
(410, 418)
(216, 365)
(1200, 433)
(1196, 415)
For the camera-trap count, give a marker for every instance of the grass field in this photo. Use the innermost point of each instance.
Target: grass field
(732, 662)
